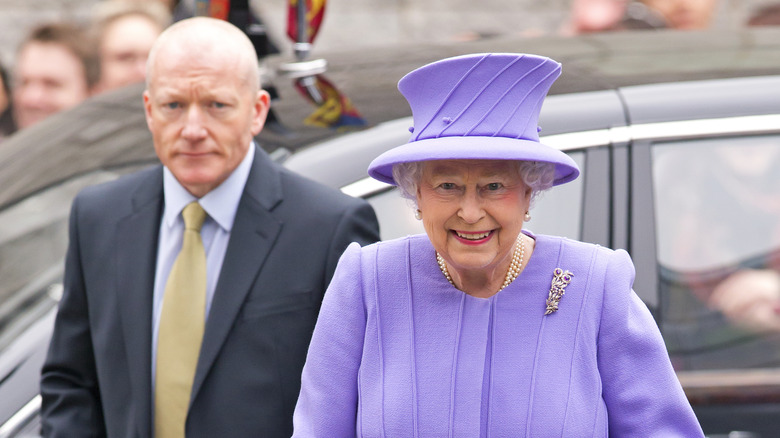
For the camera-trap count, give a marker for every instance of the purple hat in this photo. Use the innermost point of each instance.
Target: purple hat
(482, 107)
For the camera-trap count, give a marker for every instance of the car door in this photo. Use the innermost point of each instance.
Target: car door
(704, 219)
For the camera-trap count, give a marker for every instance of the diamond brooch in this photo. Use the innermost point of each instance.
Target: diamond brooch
(560, 280)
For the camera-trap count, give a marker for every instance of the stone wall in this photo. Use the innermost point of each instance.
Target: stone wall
(364, 23)
(17, 17)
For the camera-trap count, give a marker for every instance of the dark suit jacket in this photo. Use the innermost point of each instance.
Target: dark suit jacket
(286, 240)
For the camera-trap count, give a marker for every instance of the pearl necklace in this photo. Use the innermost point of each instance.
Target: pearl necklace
(514, 267)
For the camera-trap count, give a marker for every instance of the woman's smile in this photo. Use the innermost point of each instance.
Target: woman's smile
(472, 238)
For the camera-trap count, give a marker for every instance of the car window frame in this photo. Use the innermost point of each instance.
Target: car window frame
(710, 392)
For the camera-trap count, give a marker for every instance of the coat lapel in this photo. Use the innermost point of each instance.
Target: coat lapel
(137, 236)
(253, 235)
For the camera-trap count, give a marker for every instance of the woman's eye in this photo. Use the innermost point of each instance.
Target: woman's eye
(494, 186)
(447, 186)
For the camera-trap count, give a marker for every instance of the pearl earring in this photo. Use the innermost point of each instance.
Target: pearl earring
(527, 217)
(418, 214)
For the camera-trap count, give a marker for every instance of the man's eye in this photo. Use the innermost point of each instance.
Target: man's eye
(172, 105)
(218, 105)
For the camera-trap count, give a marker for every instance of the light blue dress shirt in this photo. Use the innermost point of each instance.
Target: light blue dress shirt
(220, 204)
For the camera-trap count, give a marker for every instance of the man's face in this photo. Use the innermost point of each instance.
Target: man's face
(203, 115)
(124, 49)
(48, 79)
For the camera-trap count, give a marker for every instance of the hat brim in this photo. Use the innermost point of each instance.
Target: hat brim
(473, 148)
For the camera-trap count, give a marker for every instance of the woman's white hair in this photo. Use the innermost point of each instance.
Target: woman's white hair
(539, 176)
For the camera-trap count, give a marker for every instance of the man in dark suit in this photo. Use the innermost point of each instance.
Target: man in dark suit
(269, 244)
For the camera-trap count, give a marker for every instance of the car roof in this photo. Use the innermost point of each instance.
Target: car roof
(604, 61)
(109, 130)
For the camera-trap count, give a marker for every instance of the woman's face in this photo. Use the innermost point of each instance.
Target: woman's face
(473, 211)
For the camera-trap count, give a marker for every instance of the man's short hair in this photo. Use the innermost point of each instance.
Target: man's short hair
(75, 39)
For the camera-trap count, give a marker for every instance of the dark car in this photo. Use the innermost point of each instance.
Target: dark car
(677, 136)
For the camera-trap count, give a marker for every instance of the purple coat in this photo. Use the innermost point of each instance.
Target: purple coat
(399, 352)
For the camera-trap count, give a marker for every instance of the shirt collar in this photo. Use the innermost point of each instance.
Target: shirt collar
(221, 203)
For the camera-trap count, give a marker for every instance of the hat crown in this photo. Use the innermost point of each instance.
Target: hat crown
(496, 95)
(477, 107)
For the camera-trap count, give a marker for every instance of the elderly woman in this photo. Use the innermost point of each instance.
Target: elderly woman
(479, 328)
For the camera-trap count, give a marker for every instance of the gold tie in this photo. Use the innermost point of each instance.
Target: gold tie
(181, 329)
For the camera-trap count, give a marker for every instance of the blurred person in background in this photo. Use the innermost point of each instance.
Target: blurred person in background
(767, 15)
(611, 15)
(125, 32)
(173, 6)
(594, 16)
(56, 69)
(7, 125)
(684, 14)
(179, 9)
(169, 4)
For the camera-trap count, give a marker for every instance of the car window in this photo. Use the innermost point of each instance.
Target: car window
(717, 208)
(558, 210)
(396, 216)
(33, 242)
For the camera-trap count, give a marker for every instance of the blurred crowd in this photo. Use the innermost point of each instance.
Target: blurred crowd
(614, 15)
(59, 64)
